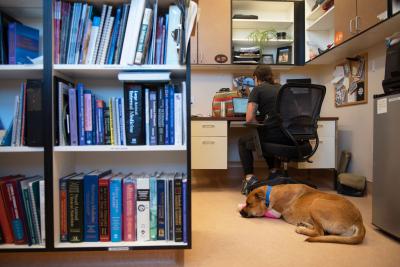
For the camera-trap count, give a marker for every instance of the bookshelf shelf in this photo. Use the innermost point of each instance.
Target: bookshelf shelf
(247, 42)
(100, 148)
(316, 13)
(20, 149)
(111, 71)
(119, 245)
(237, 67)
(324, 23)
(27, 71)
(18, 247)
(260, 24)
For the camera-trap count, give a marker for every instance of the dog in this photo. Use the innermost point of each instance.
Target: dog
(322, 216)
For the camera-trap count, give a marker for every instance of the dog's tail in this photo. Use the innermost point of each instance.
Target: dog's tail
(356, 238)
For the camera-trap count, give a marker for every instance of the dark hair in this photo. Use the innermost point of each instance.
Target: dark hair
(264, 74)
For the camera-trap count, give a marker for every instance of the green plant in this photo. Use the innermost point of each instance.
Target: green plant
(261, 38)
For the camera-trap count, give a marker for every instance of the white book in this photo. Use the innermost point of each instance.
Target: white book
(178, 118)
(174, 23)
(184, 114)
(15, 122)
(123, 141)
(104, 50)
(98, 39)
(117, 125)
(143, 208)
(42, 212)
(144, 76)
(132, 31)
(147, 114)
(104, 36)
(144, 36)
(92, 42)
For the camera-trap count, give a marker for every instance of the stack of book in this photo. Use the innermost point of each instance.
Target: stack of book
(126, 34)
(247, 55)
(19, 44)
(22, 210)
(102, 206)
(147, 115)
(26, 126)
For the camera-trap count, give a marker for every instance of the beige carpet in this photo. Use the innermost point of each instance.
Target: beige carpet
(222, 238)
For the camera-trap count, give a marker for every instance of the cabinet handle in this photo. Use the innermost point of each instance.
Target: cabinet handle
(357, 24)
(208, 142)
(351, 26)
(208, 126)
(320, 125)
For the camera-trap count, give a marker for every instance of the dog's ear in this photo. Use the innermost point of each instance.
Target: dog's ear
(260, 196)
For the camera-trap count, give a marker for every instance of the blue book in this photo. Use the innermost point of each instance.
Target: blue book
(160, 209)
(87, 98)
(23, 42)
(116, 209)
(81, 115)
(100, 121)
(121, 121)
(147, 114)
(184, 208)
(166, 37)
(73, 117)
(90, 204)
(8, 136)
(166, 114)
(153, 117)
(94, 131)
(74, 33)
(114, 37)
(171, 115)
(153, 208)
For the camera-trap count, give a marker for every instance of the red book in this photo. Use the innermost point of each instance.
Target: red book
(104, 208)
(5, 218)
(129, 209)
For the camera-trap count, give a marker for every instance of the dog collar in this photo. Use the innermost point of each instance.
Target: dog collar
(267, 195)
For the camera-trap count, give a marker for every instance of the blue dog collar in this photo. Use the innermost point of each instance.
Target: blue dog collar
(267, 195)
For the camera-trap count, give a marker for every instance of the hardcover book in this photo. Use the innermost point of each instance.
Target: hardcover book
(134, 114)
(23, 43)
(178, 208)
(143, 208)
(73, 117)
(5, 216)
(104, 208)
(129, 208)
(75, 208)
(161, 196)
(160, 116)
(153, 117)
(63, 198)
(116, 208)
(81, 113)
(153, 207)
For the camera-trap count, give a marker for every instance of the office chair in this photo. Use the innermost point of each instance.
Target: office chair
(298, 110)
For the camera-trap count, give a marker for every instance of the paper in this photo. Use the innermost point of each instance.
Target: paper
(381, 106)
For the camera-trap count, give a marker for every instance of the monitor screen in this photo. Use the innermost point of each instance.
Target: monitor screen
(240, 105)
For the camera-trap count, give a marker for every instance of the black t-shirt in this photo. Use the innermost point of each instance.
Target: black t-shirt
(265, 96)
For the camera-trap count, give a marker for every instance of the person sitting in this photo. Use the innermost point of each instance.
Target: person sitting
(262, 99)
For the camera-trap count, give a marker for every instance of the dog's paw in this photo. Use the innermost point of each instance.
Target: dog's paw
(301, 224)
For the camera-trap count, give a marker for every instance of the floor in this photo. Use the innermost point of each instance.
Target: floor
(222, 238)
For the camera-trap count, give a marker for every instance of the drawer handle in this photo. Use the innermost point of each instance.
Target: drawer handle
(320, 125)
(208, 142)
(208, 126)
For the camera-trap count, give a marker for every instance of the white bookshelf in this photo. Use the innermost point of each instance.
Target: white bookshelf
(20, 149)
(18, 247)
(110, 148)
(17, 71)
(274, 42)
(123, 245)
(260, 24)
(324, 22)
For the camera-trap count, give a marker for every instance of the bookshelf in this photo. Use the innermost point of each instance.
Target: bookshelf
(53, 161)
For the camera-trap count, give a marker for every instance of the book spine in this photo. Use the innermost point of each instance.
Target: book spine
(92, 42)
(35, 211)
(153, 208)
(111, 122)
(160, 209)
(107, 128)
(88, 116)
(114, 36)
(86, 37)
(5, 220)
(116, 121)
(42, 212)
(100, 121)
(178, 118)
(81, 113)
(178, 210)
(159, 37)
(104, 35)
(121, 33)
(17, 222)
(56, 25)
(63, 211)
(171, 209)
(184, 209)
(147, 114)
(29, 217)
(166, 37)
(75, 210)
(121, 121)
(73, 117)
(74, 33)
(142, 209)
(94, 128)
(162, 45)
(161, 117)
(15, 122)
(90, 200)
(153, 117)
(129, 206)
(79, 35)
(147, 17)
(171, 116)
(116, 210)
(167, 115)
(23, 114)
(134, 111)
(104, 210)
(107, 41)
(99, 35)
(12, 39)
(174, 22)
(65, 17)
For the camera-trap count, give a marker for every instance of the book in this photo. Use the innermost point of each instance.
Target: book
(23, 43)
(116, 208)
(86, 36)
(178, 118)
(160, 116)
(178, 223)
(75, 208)
(92, 42)
(121, 33)
(161, 206)
(73, 36)
(111, 121)
(15, 121)
(65, 29)
(144, 36)
(167, 131)
(57, 29)
(99, 35)
(73, 117)
(152, 46)
(147, 114)
(184, 209)
(134, 111)
(90, 200)
(107, 41)
(5, 216)
(173, 44)
(115, 121)
(129, 208)
(143, 208)
(153, 117)
(104, 208)
(34, 194)
(132, 31)
(100, 122)
(8, 135)
(63, 198)
(5, 20)
(114, 37)
(171, 120)
(153, 207)
(81, 112)
(79, 35)
(105, 35)
(87, 94)
(107, 127)
(21, 114)
(42, 212)
(159, 37)
(94, 125)
(122, 121)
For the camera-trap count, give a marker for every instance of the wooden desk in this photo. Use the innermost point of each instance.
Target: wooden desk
(210, 143)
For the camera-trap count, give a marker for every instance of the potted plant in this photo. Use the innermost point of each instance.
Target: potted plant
(261, 38)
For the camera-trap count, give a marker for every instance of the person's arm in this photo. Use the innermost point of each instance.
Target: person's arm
(251, 112)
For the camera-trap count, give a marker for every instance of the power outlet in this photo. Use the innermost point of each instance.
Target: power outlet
(373, 66)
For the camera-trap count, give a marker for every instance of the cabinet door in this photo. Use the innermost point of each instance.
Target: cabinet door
(345, 14)
(209, 152)
(214, 31)
(324, 157)
(367, 12)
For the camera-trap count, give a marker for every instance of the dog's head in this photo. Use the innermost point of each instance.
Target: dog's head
(255, 204)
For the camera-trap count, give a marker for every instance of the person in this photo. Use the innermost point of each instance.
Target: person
(262, 99)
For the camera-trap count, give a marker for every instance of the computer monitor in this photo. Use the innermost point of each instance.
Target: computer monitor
(240, 106)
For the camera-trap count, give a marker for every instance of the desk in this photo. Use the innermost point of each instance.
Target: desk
(210, 143)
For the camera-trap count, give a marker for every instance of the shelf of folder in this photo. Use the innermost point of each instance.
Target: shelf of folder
(20, 149)
(77, 71)
(123, 245)
(26, 71)
(110, 148)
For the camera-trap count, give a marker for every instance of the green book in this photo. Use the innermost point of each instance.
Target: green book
(153, 208)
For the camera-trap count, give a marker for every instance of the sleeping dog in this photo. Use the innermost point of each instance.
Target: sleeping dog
(321, 216)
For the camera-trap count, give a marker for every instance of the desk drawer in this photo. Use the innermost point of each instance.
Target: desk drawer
(209, 128)
(326, 128)
(324, 157)
(209, 152)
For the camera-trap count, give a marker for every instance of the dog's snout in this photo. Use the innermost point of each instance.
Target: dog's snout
(244, 213)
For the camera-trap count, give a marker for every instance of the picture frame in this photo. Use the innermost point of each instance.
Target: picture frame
(284, 55)
(267, 59)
